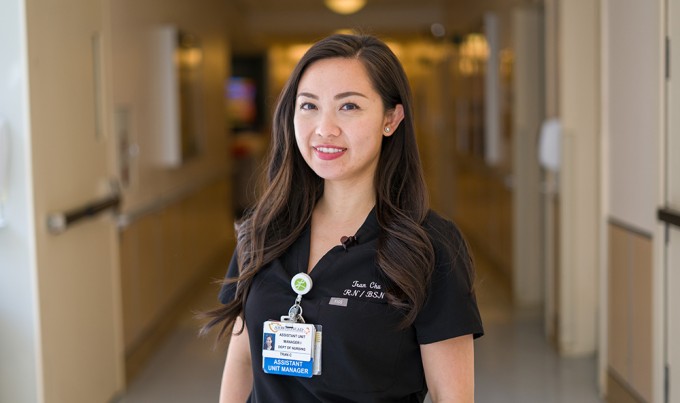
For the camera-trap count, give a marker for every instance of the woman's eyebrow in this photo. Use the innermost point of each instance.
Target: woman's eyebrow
(338, 96)
(349, 94)
(307, 95)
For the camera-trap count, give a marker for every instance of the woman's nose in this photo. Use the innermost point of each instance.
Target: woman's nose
(327, 126)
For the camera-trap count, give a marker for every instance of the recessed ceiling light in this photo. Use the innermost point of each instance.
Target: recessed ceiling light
(345, 6)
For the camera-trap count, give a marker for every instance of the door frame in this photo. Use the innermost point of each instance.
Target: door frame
(668, 215)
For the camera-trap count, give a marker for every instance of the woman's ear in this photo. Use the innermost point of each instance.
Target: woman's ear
(393, 118)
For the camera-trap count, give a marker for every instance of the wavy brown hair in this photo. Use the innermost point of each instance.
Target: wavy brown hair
(405, 253)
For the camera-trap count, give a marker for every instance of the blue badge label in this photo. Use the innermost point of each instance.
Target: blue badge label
(280, 366)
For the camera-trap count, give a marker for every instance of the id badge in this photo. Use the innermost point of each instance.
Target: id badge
(292, 349)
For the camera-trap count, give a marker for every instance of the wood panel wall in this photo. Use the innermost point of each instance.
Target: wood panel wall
(630, 315)
(165, 257)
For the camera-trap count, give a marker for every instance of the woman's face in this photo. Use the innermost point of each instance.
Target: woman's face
(340, 120)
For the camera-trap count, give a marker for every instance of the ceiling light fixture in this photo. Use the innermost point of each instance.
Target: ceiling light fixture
(345, 7)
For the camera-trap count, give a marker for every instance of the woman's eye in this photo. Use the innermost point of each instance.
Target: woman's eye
(349, 107)
(306, 106)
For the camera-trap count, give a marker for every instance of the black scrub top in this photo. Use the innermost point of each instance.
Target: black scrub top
(365, 356)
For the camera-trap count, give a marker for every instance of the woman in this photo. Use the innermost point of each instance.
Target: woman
(346, 204)
(268, 342)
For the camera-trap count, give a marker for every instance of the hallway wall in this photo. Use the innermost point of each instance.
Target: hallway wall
(136, 96)
(165, 257)
(632, 70)
(176, 224)
(528, 114)
(18, 291)
(630, 324)
(579, 110)
(633, 118)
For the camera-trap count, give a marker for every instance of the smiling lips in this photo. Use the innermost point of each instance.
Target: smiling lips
(329, 152)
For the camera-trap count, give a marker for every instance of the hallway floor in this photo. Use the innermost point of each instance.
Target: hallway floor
(514, 362)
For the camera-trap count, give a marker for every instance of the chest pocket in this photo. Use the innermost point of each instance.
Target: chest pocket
(362, 345)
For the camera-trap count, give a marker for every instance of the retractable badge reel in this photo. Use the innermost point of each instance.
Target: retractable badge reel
(291, 346)
(301, 283)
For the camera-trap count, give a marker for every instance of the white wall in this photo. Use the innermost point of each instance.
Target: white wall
(18, 300)
(634, 72)
(579, 110)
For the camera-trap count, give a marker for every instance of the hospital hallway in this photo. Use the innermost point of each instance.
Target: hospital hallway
(132, 135)
(514, 362)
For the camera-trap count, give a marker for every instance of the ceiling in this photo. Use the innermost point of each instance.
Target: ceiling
(257, 24)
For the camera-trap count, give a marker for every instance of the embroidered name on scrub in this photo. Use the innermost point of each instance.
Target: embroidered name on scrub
(358, 289)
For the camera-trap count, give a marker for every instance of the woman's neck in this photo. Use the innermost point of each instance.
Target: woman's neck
(344, 203)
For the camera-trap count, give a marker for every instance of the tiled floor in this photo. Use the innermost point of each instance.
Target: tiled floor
(514, 362)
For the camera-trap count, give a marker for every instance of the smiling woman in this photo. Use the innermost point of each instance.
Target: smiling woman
(346, 207)
(342, 120)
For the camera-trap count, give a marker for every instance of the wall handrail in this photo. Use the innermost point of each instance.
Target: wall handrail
(60, 221)
(128, 216)
(669, 216)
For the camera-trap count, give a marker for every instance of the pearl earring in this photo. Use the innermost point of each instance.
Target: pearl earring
(387, 129)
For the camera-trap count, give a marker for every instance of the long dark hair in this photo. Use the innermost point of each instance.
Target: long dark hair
(405, 253)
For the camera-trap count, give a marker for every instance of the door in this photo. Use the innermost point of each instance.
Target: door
(673, 313)
(671, 215)
(81, 352)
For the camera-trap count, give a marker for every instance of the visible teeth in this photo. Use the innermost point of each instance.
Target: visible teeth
(329, 150)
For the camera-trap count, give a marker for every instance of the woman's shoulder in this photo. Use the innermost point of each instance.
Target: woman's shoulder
(447, 239)
(439, 227)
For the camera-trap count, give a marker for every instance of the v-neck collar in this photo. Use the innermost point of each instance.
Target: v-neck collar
(367, 232)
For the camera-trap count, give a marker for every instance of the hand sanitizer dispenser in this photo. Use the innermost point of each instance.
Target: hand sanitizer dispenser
(549, 145)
